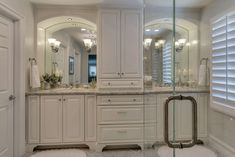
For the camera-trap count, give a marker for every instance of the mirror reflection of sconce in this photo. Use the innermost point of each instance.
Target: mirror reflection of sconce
(54, 44)
(159, 44)
(179, 45)
(147, 43)
(89, 43)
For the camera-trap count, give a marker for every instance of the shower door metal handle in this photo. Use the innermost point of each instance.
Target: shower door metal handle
(182, 144)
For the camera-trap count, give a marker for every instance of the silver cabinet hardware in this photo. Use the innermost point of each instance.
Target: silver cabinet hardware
(12, 98)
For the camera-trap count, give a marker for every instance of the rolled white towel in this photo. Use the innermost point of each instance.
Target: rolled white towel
(202, 75)
(34, 77)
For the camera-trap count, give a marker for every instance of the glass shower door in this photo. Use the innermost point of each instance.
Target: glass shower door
(170, 112)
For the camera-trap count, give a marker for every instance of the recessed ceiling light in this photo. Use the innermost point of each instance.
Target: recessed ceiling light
(83, 29)
(156, 30)
(69, 19)
(147, 30)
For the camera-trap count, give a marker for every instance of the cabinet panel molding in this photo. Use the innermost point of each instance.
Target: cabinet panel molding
(109, 50)
(73, 118)
(90, 118)
(33, 115)
(51, 119)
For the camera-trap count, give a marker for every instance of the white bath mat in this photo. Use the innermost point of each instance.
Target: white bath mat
(196, 151)
(60, 153)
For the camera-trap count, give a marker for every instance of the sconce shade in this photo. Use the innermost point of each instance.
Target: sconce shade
(182, 41)
(51, 41)
(147, 42)
(157, 44)
(161, 42)
(55, 44)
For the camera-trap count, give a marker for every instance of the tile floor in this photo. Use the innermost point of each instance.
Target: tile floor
(118, 153)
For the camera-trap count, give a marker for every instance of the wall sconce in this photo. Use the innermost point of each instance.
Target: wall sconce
(179, 45)
(54, 44)
(147, 42)
(159, 44)
(88, 44)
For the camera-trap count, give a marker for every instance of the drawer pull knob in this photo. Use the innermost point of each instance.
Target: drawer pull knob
(109, 83)
(64, 99)
(122, 131)
(109, 100)
(132, 83)
(134, 99)
(60, 99)
(122, 73)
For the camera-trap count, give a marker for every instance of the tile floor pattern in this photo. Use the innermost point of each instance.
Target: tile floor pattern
(116, 153)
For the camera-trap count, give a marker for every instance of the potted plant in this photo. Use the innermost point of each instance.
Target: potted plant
(46, 79)
(51, 81)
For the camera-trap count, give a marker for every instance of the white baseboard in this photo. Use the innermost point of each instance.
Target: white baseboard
(223, 148)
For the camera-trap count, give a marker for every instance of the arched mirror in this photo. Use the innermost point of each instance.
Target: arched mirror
(158, 52)
(69, 49)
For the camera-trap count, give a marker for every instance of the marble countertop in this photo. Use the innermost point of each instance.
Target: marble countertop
(154, 90)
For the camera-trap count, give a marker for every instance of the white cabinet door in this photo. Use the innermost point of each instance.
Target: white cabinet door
(51, 119)
(109, 44)
(131, 44)
(90, 118)
(33, 111)
(73, 118)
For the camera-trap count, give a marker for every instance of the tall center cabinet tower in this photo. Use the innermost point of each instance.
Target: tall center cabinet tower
(120, 51)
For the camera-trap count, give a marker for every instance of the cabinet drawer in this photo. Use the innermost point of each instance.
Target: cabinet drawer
(121, 83)
(120, 115)
(120, 133)
(120, 100)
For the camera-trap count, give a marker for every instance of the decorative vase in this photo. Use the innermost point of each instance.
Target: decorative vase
(47, 86)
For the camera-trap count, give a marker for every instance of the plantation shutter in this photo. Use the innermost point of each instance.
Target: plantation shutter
(223, 63)
(167, 63)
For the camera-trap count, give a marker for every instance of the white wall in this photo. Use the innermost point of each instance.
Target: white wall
(221, 126)
(24, 8)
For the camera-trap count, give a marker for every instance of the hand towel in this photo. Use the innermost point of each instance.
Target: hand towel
(202, 75)
(34, 77)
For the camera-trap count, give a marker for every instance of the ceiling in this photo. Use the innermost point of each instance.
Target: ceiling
(157, 3)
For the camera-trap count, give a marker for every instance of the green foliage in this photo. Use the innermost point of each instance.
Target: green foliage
(52, 79)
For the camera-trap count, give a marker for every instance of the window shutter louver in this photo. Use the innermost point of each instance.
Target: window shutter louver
(167, 63)
(223, 62)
